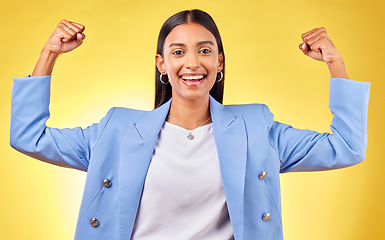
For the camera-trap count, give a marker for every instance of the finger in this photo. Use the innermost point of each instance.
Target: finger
(307, 33)
(304, 48)
(314, 31)
(318, 46)
(320, 37)
(63, 33)
(80, 36)
(71, 31)
(315, 36)
(79, 26)
(70, 28)
(73, 43)
(79, 40)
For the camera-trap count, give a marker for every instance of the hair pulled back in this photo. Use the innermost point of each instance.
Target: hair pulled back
(163, 91)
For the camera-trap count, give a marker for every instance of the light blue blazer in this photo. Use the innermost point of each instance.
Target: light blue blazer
(249, 142)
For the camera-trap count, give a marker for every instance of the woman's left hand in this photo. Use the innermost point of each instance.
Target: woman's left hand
(317, 45)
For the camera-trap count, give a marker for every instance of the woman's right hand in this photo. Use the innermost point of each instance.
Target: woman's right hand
(66, 37)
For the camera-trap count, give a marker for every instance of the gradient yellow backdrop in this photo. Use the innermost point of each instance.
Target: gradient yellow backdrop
(115, 67)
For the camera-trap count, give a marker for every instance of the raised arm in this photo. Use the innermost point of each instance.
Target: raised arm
(66, 37)
(30, 109)
(305, 150)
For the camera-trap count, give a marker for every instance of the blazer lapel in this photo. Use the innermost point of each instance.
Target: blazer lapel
(231, 141)
(137, 148)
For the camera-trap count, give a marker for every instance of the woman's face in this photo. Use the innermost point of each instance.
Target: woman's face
(191, 61)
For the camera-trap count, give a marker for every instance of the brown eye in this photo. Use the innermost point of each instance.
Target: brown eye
(177, 52)
(205, 51)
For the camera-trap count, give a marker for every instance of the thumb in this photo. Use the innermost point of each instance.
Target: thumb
(74, 43)
(304, 48)
(80, 38)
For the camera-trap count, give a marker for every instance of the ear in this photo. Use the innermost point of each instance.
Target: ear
(159, 61)
(220, 62)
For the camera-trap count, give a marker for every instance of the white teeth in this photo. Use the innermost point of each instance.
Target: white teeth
(196, 77)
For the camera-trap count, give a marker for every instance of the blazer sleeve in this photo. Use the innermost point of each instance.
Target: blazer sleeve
(30, 135)
(305, 150)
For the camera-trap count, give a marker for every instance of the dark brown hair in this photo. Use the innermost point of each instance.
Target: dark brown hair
(163, 91)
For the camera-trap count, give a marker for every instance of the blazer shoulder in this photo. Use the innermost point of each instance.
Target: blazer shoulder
(248, 109)
(244, 108)
(122, 113)
(252, 112)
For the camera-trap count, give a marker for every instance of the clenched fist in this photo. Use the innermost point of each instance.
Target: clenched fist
(66, 37)
(317, 45)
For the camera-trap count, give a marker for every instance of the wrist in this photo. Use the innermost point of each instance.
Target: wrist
(45, 64)
(337, 68)
(48, 55)
(336, 61)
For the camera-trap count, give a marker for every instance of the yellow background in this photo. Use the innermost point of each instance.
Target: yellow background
(115, 67)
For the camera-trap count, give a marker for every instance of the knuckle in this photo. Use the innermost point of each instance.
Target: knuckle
(323, 30)
(324, 37)
(314, 48)
(74, 28)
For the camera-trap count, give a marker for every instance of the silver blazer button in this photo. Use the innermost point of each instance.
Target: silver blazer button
(94, 222)
(106, 183)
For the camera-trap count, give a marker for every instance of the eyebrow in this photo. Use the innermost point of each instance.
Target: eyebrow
(200, 43)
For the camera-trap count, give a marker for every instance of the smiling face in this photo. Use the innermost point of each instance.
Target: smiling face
(191, 61)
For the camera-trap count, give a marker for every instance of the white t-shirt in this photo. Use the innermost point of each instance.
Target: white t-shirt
(183, 195)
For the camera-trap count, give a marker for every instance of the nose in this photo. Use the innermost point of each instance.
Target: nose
(192, 61)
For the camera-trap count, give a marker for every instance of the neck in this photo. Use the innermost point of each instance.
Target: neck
(189, 114)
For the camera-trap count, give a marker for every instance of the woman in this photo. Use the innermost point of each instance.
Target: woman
(192, 168)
